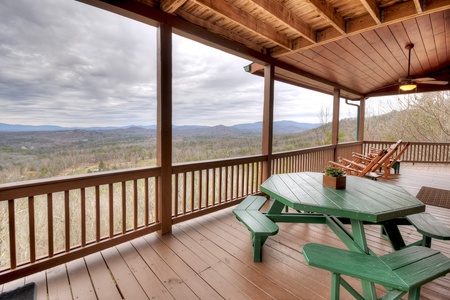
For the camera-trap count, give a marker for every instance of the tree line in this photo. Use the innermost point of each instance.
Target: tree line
(32, 155)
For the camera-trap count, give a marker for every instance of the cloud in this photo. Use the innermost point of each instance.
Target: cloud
(70, 64)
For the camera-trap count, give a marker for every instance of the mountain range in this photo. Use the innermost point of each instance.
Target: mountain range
(285, 127)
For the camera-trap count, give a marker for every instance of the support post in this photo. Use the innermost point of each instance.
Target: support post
(164, 127)
(362, 116)
(267, 130)
(335, 122)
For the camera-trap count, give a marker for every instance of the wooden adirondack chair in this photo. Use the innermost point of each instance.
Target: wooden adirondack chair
(390, 158)
(365, 159)
(384, 165)
(356, 168)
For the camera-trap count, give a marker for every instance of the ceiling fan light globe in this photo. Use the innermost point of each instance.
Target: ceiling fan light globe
(408, 87)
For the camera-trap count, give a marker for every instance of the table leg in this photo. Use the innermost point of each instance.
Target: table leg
(276, 207)
(359, 236)
(393, 235)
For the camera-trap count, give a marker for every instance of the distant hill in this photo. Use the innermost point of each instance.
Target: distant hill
(280, 127)
(23, 128)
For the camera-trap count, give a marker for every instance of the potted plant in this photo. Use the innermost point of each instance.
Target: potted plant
(334, 177)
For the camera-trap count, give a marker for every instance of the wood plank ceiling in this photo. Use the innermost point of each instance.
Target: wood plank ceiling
(355, 45)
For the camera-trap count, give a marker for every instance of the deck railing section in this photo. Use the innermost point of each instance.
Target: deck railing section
(52, 221)
(311, 159)
(305, 160)
(201, 187)
(417, 152)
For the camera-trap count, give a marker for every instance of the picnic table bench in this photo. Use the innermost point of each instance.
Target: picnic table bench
(425, 223)
(260, 226)
(429, 227)
(400, 272)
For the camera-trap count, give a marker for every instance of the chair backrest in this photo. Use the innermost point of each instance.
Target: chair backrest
(387, 156)
(394, 160)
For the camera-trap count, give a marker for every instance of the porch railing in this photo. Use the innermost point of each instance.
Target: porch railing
(52, 221)
(202, 187)
(417, 152)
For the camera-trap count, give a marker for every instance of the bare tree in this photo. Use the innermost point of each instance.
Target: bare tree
(426, 116)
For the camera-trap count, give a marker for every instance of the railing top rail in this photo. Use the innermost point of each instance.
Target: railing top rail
(208, 164)
(56, 184)
(411, 143)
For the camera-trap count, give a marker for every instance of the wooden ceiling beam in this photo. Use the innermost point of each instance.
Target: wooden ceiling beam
(436, 5)
(170, 6)
(218, 30)
(284, 15)
(258, 27)
(329, 13)
(418, 6)
(393, 14)
(373, 9)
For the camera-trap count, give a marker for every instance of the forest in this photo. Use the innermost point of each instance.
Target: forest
(33, 155)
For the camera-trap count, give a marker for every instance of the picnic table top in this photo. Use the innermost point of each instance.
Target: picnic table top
(362, 199)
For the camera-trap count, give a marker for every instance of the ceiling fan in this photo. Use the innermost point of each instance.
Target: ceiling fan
(409, 83)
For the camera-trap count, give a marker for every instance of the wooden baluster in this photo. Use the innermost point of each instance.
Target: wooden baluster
(146, 201)
(83, 217)
(192, 190)
(232, 184)
(247, 178)
(157, 191)
(220, 169)
(51, 246)
(206, 188)
(124, 207)
(184, 193)
(12, 234)
(199, 207)
(175, 205)
(226, 184)
(135, 204)
(67, 219)
(97, 213)
(32, 231)
(214, 185)
(111, 209)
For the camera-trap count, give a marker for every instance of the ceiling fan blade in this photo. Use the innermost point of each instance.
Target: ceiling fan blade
(422, 79)
(439, 82)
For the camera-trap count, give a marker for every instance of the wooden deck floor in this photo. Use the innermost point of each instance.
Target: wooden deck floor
(210, 258)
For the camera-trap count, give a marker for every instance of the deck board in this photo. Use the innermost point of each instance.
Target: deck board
(80, 282)
(183, 270)
(123, 262)
(211, 258)
(58, 285)
(105, 287)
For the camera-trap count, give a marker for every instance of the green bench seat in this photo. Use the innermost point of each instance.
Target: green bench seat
(429, 227)
(256, 222)
(425, 223)
(400, 272)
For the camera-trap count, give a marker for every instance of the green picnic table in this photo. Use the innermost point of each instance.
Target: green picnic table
(363, 201)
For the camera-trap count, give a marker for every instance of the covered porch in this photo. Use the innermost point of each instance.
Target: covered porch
(210, 257)
(170, 232)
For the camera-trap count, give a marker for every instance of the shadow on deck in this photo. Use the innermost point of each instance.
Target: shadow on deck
(211, 258)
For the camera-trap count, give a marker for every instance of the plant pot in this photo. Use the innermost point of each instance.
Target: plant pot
(334, 182)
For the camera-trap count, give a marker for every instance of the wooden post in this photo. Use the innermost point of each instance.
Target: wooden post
(164, 126)
(267, 130)
(335, 122)
(362, 116)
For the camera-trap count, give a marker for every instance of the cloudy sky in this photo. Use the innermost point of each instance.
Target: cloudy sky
(65, 63)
